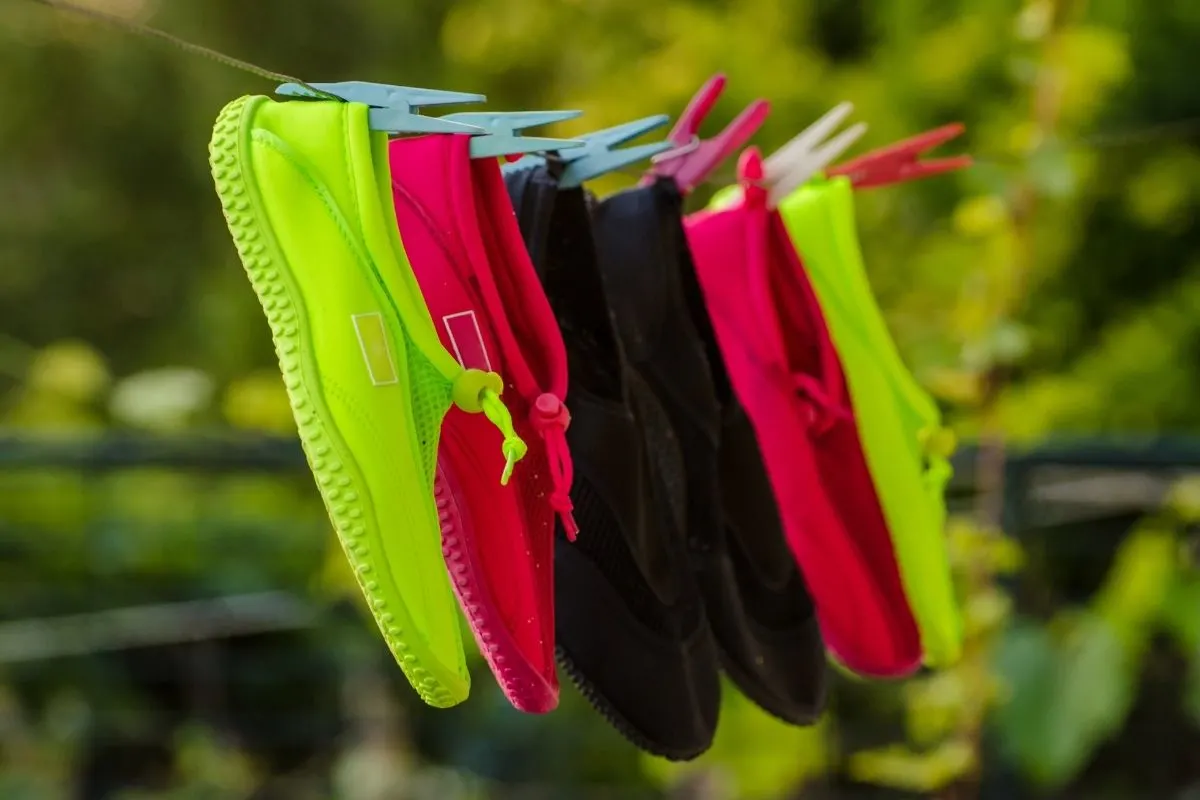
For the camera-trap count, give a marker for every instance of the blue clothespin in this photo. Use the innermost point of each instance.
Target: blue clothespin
(393, 109)
(502, 128)
(597, 157)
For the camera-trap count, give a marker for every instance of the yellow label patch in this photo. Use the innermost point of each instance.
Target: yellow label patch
(376, 352)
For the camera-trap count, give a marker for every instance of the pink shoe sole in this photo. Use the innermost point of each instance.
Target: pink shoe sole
(526, 688)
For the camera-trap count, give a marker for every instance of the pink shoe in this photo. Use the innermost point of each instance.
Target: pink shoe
(789, 380)
(460, 233)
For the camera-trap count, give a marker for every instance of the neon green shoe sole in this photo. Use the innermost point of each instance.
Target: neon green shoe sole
(307, 198)
(900, 425)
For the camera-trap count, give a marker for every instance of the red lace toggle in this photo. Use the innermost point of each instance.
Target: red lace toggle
(551, 419)
(821, 407)
(751, 176)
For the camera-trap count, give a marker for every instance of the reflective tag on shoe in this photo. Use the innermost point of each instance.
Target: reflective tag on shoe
(467, 340)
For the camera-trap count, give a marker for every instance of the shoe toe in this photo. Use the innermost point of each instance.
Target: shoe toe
(660, 688)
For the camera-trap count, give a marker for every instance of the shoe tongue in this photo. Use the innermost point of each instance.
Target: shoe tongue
(533, 193)
(536, 334)
(638, 245)
(633, 254)
(557, 229)
(693, 300)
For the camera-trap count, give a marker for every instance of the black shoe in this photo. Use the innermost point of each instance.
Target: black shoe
(756, 600)
(631, 628)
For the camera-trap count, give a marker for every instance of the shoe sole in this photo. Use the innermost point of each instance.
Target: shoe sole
(769, 705)
(524, 687)
(337, 474)
(605, 709)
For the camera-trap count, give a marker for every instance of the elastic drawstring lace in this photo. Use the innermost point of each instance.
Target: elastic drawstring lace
(827, 412)
(513, 447)
(551, 419)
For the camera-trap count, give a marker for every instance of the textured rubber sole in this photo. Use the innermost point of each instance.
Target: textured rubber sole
(605, 709)
(338, 477)
(752, 690)
(524, 687)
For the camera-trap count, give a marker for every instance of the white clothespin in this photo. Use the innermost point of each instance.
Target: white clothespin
(809, 152)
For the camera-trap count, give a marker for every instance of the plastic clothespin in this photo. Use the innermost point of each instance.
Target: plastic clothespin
(501, 128)
(393, 109)
(901, 161)
(809, 152)
(694, 159)
(596, 156)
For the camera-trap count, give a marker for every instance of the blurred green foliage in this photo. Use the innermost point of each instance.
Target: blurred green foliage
(1052, 289)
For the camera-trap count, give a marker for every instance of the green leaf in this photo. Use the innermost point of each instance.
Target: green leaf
(1094, 692)
(1025, 662)
(1066, 698)
(1138, 583)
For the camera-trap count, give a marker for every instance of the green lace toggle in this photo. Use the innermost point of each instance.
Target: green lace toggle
(469, 387)
(513, 447)
(938, 444)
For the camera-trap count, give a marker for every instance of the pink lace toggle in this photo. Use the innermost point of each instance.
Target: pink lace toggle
(551, 419)
(751, 176)
(821, 407)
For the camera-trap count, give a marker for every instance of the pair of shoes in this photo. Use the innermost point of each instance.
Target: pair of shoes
(873, 455)
(906, 448)
(306, 189)
(457, 225)
(757, 605)
(656, 452)
(786, 372)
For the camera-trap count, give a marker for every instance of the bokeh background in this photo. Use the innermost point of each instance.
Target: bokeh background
(175, 619)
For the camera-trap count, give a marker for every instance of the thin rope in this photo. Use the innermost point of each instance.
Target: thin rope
(138, 29)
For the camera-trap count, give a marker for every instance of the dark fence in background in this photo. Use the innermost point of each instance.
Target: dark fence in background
(266, 661)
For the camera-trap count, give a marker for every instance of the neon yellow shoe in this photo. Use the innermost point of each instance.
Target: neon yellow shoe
(306, 190)
(907, 448)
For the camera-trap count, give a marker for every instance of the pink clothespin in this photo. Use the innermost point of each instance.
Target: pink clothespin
(694, 159)
(901, 161)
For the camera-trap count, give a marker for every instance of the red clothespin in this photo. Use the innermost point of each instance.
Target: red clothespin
(694, 159)
(901, 161)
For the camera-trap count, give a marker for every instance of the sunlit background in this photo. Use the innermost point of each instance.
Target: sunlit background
(176, 620)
